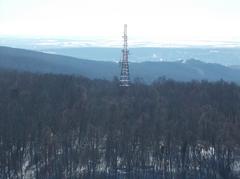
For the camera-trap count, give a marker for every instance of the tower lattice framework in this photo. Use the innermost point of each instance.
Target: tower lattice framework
(125, 77)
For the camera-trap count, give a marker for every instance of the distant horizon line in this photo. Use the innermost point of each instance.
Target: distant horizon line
(78, 42)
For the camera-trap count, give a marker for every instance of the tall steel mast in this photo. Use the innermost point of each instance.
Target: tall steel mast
(125, 77)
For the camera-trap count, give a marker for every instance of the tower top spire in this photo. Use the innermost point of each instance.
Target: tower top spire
(125, 29)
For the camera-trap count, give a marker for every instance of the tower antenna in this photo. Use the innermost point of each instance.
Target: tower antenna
(124, 76)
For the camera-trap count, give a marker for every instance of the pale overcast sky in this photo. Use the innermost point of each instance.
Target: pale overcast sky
(159, 20)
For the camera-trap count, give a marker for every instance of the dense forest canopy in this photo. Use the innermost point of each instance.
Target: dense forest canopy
(60, 126)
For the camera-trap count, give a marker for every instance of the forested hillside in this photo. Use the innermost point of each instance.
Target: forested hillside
(59, 126)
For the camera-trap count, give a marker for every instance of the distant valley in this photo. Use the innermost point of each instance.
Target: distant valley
(224, 56)
(109, 49)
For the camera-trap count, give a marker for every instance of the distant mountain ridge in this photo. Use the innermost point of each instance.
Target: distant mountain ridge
(182, 70)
